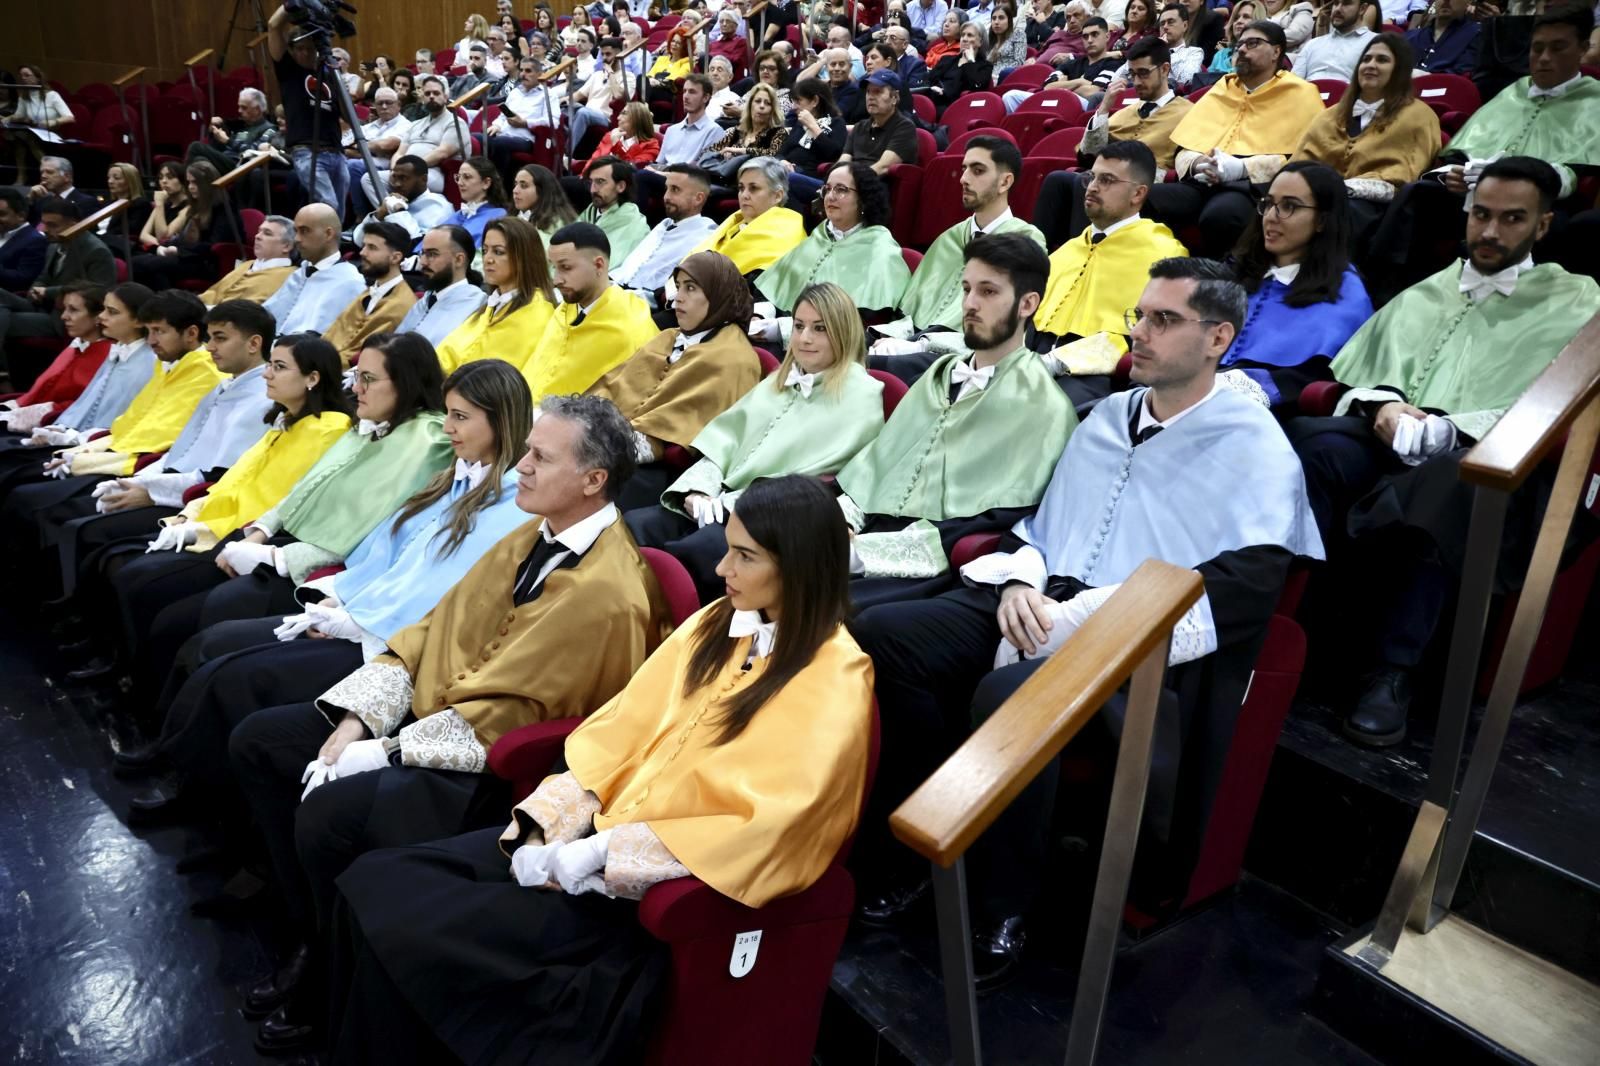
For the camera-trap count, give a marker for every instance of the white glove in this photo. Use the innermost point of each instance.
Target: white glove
(707, 510)
(1424, 438)
(894, 346)
(360, 756)
(1407, 435)
(765, 329)
(245, 555)
(292, 626)
(317, 773)
(334, 622)
(576, 864)
(531, 864)
(116, 484)
(173, 538)
(62, 470)
(1229, 168)
(58, 436)
(395, 203)
(1473, 171)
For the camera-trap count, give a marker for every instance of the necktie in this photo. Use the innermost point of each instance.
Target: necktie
(1146, 433)
(577, 319)
(804, 382)
(428, 301)
(749, 624)
(526, 589)
(1147, 108)
(1097, 238)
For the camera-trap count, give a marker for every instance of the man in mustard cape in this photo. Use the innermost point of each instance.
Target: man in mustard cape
(387, 299)
(598, 324)
(258, 278)
(1428, 376)
(1237, 136)
(970, 448)
(550, 623)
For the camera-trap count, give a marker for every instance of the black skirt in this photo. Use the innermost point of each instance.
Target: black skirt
(496, 972)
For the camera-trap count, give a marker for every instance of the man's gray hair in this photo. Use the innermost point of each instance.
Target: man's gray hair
(607, 443)
(724, 60)
(386, 93)
(772, 169)
(282, 222)
(60, 163)
(254, 96)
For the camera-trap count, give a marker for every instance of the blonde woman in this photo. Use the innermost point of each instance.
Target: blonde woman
(760, 131)
(124, 182)
(477, 31)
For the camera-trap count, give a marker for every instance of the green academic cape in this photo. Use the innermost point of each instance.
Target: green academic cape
(1469, 360)
(867, 264)
(1564, 129)
(934, 296)
(997, 447)
(624, 226)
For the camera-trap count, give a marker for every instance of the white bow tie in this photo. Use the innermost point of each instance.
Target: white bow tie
(1362, 107)
(119, 352)
(79, 344)
(472, 473)
(749, 624)
(468, 210)
(804, 382)
(962, 373)
(1479, 286)
(498, 300)
(1284, 275)
(369, 428)
(1555, 91)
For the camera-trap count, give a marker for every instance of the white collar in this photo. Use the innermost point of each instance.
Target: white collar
(472, 473)
(498, 300)
(371, 429)
(1109, 230)
(749, 624)
(120, 350)
(1555, 91)
(469, 210)
(382, 289)
(999, 220)
(257, 371)
(683, 341)
(452, 287)
(971, 378)
(1161, 101)
(268, 264)
(840, 234)
(79, 344)
(281, 423)
(1284, 275)
(1359, 31)
(581, 535)
(801, 381)
(1479, 286)
(1147, 418)
(324, 264)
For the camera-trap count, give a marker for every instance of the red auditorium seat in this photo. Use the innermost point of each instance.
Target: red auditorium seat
(250, 219)
(1056, 102)
(1058, 151)
(173, 124)
(972, 111)
(894, 390)
(1452, 97)
(1331, 90)
(924, 109)
(547, 147)
(912, 257)
(905, 188)
(1026, 77)
(938, 202)
(769, 362)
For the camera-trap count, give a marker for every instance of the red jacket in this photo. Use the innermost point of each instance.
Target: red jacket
(736, 49)
(66, 377)
(642, 154)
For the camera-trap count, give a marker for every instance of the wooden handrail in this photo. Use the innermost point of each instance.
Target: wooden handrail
(1508, 452)
(257, 39)
(629, 52)
(242, 169)
(126, 78)
(111, 210)
(755, 9)
(471, 95)
(198, 56)
(559, 68)
(966, 794)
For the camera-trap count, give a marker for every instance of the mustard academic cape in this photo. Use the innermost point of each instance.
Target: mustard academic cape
(571, 357)
(512, 337)
(1091, 285)
(263, 476)
(1398, 151)
(756, 245)
(1155, 131)
(354, 325)
(241, 284)
(673, 402)
(155, 417)
(761, 816)
(500, 666)
(1269, 121)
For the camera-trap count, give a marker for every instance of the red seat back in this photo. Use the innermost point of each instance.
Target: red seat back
(958, 144)
(769, 362)
(923, 108)
(1030, 76)
(912, 257)
(1330, 89)
(1028, 128)
(1447, 92)
(1063, 144)
(894, 390)
(1053, 102)
(250, 219)
(973, 111)
(677, 587)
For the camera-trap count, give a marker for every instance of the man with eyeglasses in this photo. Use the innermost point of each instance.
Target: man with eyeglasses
(383, 135)
(1079, 325)
(1428, 376)
(450, 298)
(1237, 136)
(1153, 473)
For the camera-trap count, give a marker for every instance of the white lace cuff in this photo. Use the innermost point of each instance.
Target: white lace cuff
(1369, 189)
(166, 490)
(854, 516)
(378, 693)
(1240, 382)
(1194, 636)
(636, 859)
(1026, 564)
(442, 741)
(914, 551)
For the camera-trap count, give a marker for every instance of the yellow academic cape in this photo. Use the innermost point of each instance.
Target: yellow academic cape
(241, 284)
(512, 337)
(1398, 151)
(155, 416)
(673, 402)
(1091, 285)
(756, 245)
(756, 818)
(353, 326)
(1269, 121)
(571, 358)
(1155, 131)
(561, 655)
(263, 476)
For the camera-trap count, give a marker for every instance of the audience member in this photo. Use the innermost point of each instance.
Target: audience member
(64, 379)
(483, 197)
(83, 258)
(591, 102)
(967, 70)
(682, 142)
(257, 279)
(409, 203)
(633, 141)
(22, 246)
(762, 230)
(528, 104)
(611, 205)
(1240, 16)
(209, 219)
(387, 299)
(598, 324)
(1207, 26)
(168, 206)
(55, 179)
(450, 297)
(816, 136)
(1447, 42)
(383, 136)
(510, 322)
(433, 139)
(322, 285)
(1337, 53)
(648, 267)
(311, 113)
(1297, 19)
(760, 131)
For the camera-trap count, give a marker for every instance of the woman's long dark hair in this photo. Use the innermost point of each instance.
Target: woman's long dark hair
(312, 354)
(1396, 94)
(798, 521)
(871, 194)
(1323, 265)
(201, 207)
(413, 366)
(818, 90)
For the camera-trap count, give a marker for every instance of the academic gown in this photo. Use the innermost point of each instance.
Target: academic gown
(754, 246)
(1283, 348)
(302, 304)
(1093, 283)
(349, 332)
(448, 309)
(932, 299)
(64, 380)
(246, 282)
(573, 354)
(623, 224)
(487, 334)
(866, 262)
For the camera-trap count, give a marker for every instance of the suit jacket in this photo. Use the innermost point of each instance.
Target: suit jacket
(84, 258)
(22, 258)
(86, 203)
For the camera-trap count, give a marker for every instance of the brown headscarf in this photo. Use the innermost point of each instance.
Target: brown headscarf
(724, 286)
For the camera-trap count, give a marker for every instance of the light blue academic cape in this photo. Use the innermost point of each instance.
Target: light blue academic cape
(110, 390)
(1222, 478)
(454, 306)
(230, 418)
(302, 305)
(393, 579)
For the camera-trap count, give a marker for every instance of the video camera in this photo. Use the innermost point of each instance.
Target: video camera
(321, 16)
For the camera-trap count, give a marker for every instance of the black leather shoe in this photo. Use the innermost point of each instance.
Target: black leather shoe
(81, 648)
(1379, 720)
(137, 762)
(282, 1032)
(161, 804)
(100, 668)
(68, 629)
(892, 903)
(272, 991)
(997, 953)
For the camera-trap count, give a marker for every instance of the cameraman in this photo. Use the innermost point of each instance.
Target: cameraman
(308, 104)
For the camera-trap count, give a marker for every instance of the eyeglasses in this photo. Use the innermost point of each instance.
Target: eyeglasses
(837, 190)
(367, 380)
(1160, 320)
(1247, 43)
(1108, 181)
(1285, 209)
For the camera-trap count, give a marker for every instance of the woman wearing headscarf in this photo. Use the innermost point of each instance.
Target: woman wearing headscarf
(685, 376)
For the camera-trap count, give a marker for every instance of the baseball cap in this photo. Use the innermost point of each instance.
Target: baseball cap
(885, 77)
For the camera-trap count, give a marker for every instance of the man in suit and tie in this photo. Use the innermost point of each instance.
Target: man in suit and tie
(55, 179)
(83, 258)
(22, 247)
